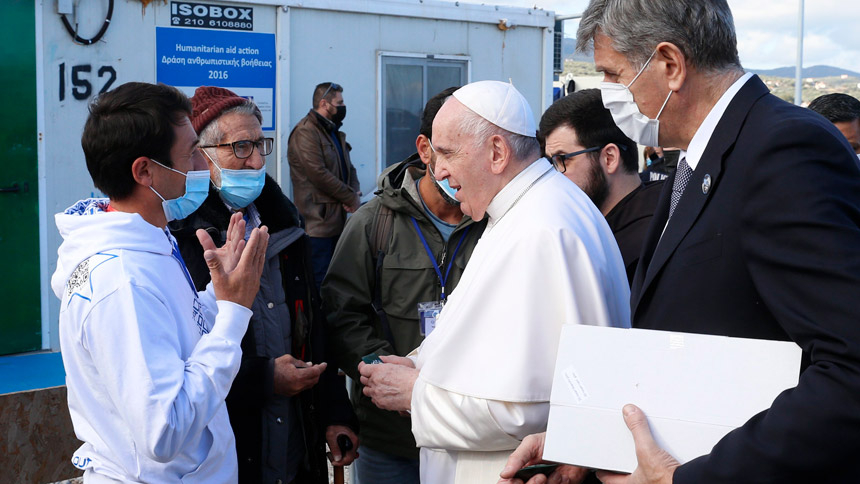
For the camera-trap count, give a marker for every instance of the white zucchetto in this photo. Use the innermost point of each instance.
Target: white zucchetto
(499, 103)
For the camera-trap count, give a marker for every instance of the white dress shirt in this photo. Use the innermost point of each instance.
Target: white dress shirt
(700, 140)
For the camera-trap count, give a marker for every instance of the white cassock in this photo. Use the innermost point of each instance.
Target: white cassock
(547, 258)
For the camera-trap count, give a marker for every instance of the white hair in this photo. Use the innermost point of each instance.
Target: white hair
(524, 148)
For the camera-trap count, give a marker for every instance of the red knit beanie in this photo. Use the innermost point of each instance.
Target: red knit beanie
(209, 102)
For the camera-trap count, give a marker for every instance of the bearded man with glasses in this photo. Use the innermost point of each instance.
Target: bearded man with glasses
(582, 141)
(284, 404)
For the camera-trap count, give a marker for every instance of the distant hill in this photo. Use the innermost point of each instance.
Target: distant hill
(568, 47)
(814, 72)
(569, 53)
(824, 79)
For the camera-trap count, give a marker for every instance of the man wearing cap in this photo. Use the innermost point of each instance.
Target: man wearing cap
(325, 185)
(280, 437)
(481, 380)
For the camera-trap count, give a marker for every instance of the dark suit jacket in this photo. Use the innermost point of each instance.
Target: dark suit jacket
(771, 251)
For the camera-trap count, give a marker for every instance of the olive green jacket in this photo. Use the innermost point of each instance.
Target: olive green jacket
(407, 278)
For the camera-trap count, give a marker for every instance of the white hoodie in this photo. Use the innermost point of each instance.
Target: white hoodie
(146, 371)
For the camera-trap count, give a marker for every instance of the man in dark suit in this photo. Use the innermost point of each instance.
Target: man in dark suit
(756, 235)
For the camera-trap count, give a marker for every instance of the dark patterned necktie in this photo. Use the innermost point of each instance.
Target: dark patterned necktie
(682, 176)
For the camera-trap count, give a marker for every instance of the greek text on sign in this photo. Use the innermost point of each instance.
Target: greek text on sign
(206, 16)
(243, 62)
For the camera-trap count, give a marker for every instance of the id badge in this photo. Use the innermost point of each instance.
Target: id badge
(427, 313)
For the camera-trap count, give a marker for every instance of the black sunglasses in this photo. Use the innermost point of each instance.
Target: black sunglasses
(331, 85)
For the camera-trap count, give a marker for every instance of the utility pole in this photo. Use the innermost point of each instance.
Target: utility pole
(798, 69)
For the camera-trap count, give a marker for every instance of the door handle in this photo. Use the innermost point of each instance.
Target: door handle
(16, 188)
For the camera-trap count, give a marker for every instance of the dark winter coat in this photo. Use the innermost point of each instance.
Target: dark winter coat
(272, 430)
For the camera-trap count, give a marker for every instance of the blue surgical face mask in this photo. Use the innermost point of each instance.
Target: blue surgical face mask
(196, 191)
(240, 187)
(447, 192)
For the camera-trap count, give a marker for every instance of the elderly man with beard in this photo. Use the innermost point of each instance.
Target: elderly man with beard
(408, 245)
(583, 143)
(284, 406)
(481, 380)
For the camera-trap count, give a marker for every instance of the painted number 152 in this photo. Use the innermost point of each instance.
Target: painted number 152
(82, 88)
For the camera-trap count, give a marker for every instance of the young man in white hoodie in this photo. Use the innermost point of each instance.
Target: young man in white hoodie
(148, 359)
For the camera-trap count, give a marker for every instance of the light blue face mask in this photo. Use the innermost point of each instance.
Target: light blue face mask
(240, 187)
(196, 191)
(447, 191)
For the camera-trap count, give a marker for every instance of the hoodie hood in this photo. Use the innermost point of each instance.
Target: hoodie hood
(88, 228)
(393, 176)
(397, 185)
(397, 189)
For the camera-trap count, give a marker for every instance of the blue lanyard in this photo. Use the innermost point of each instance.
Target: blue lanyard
(178, 256)
(442, 279)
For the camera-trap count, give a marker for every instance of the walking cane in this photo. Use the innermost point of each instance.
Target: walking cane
(345, 446)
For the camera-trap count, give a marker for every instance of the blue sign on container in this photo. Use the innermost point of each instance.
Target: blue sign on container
(243, 62)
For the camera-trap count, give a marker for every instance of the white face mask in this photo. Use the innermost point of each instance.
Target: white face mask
(618, 99)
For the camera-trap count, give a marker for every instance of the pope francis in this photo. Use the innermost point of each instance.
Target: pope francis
(480, 381)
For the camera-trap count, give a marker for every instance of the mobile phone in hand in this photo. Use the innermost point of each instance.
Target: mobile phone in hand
(527, 473)
(372, 359)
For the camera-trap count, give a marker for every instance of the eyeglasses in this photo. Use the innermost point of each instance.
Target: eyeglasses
(243, 148)
(558, 161)
(331, 85)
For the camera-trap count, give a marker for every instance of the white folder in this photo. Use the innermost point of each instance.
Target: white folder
(693, 388)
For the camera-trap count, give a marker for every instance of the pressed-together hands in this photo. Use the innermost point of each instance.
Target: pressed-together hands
(389, 385)
(656, 466)
(236, 267)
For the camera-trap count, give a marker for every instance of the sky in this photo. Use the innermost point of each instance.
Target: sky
(766, 30)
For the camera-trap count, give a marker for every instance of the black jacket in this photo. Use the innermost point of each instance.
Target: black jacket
(765, 243)
(287, 319)
(629, 220)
